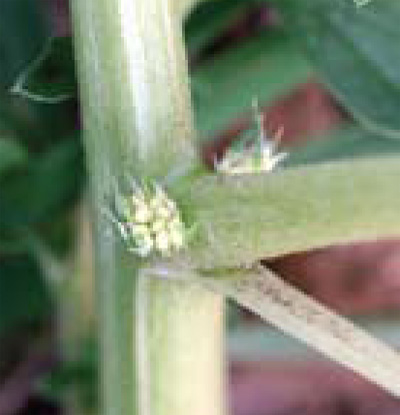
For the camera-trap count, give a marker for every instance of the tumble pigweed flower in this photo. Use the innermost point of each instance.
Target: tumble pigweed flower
(148, 221)
(361, 3)
(258, 156)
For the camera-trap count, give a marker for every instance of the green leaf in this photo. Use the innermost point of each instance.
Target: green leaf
(24, 298)
(356, 50)
(264, 67)
(12, 154)
(51, 76)
(23, 33)
(79, 376)
(346, 142)
(37, 125)
(210, 20)
(48, 186)
(23, 36)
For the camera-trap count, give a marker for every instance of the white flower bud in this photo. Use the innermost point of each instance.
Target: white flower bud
(176, 223)
(155, 204)
(176, 237)
(157, 226)
(139, 231)
(136, 200)
(170, 205)
(162, 242)
(145, 246)
(142, 213)
(164, 212)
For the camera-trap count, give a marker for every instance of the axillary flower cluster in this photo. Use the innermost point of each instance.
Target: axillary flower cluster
(258, 156)
(149, 221)
(361, 3)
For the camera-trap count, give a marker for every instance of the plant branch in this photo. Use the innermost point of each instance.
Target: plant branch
(300, 317)
(242, 219)
(303, 318)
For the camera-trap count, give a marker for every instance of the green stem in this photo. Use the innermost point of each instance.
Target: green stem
(162, 346)
(243, 219)
(303, 318)
(299, 316)
(181, 359)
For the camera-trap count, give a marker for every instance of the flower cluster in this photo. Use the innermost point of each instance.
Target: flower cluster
(361, 3)
(149, 221)
(253, 160)
(258, 157)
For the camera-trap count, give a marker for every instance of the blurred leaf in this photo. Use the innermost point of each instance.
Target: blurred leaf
(51, 77)
(23, 33)
(348, 142)
(265, 67)
(48, 186)
(78, 376)
(210, 20)
(36, 124)
(24, 298)
(23, 37)
(356, 50)
(11, 154)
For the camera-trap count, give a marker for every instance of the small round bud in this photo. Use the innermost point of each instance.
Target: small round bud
(157, 226)
(162, 242)
(176, 236)
(145, 246)
(142, 213)
(149, 221)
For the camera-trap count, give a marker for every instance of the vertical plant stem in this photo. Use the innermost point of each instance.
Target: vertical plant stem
(161, 341)
(184, 332)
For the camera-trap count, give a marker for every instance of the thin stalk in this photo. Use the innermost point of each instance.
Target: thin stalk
(161, 343)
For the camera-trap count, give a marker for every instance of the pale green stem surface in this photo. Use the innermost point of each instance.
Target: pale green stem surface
(185, 372)
(161, 343)
(241, 219)
(303, 318)
(299, 316)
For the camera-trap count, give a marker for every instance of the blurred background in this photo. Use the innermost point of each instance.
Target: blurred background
(326, 71)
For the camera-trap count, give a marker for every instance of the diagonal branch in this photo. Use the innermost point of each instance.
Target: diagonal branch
(301, 317)
(244, 218)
